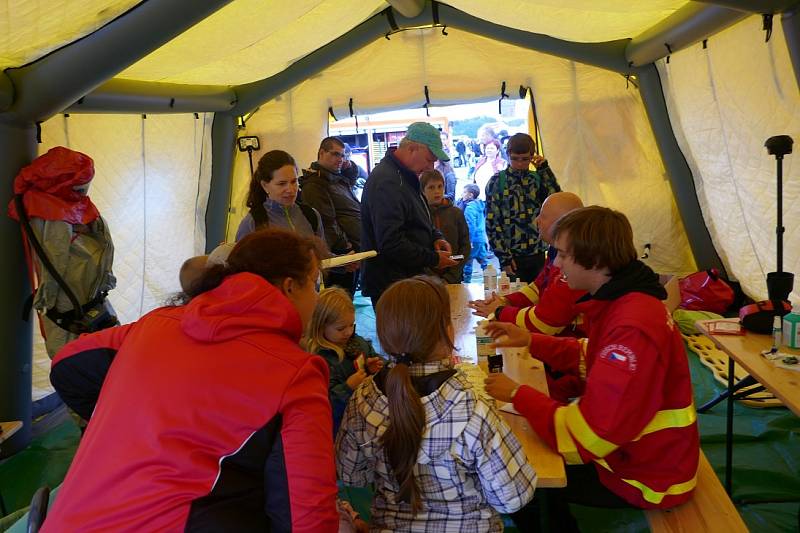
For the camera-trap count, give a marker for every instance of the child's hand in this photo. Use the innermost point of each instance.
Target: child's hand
(355, 380)
(374, 365)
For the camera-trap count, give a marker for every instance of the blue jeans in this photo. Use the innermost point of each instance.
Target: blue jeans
(479, 253)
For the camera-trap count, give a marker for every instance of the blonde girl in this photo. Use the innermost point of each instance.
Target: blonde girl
(350, 357)
(435, 452)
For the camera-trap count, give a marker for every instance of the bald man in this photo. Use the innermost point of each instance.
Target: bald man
(547, 305)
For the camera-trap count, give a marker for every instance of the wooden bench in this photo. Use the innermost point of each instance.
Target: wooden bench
(709, 511)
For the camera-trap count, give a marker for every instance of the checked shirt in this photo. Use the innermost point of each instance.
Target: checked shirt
(470, 465)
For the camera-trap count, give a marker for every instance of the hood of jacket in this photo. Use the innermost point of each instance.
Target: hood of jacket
(445, 203)
(635, 277)
(243, 303)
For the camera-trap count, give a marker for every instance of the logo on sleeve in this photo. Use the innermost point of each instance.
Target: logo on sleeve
(620, 356)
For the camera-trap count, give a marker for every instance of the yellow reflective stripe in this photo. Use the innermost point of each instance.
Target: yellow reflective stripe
(579, 428)
(566, 445)
(670, 418)
(583, 345)
(654, 496)
(531, 291)
(541, 326)
(520, 319)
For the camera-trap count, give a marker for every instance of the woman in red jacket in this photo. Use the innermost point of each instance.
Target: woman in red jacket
(210, 415)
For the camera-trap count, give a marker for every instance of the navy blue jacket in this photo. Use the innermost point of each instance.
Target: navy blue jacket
(396, 222)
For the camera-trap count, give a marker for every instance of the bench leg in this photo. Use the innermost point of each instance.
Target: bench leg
(745, 382)
(729, 429)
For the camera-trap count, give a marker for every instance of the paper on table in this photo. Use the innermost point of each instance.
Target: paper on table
(340, 260)
(509, 408)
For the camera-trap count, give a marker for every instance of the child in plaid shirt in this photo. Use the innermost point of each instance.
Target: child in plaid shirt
(440, 458)
(350, 357)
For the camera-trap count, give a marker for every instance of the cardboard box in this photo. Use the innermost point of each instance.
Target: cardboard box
(670, 283)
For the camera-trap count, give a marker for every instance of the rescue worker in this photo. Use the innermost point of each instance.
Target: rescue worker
(631, 439)
(548, 305)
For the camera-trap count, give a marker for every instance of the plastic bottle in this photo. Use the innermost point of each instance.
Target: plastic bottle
(791, 328)
(504, 284)
(489, 281)
(483, 340)
(776, 333)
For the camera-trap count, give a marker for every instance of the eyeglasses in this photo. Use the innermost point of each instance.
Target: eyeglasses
(334, 153)
(318, 283)
(521, 158)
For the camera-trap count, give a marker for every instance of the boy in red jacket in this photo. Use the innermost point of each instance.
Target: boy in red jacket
(631, 439)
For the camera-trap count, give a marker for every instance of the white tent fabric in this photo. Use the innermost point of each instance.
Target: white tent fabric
(725, 101)
(151, 184)
(29, 30)
(594, 129)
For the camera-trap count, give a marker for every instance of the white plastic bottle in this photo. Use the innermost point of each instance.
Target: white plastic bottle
(483, 340)
(791, 328)
(489, 281)
(504, 284)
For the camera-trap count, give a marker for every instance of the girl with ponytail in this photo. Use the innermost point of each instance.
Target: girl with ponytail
(438, 456)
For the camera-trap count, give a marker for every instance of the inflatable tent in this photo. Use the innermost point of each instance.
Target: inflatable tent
(659, 109)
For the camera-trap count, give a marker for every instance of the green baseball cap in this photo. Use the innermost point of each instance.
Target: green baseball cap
(424, 133)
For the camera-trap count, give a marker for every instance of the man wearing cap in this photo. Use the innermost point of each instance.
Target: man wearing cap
(395, 220)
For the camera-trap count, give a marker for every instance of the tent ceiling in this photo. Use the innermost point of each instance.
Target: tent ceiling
(249, 40)
(581, 20)
(30, 29)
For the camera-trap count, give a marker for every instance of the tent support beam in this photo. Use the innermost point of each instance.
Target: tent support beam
(608, 55)
(19, 149)
(688, 25)
(754, 6)
(680, 175)
(790, 21)
(55, 81)
(129, 96)
(223, 146)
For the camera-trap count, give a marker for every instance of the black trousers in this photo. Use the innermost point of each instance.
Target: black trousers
(583, 487)
(529, 266)
(345, 280)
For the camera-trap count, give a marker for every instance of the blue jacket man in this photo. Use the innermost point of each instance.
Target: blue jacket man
(395, 220)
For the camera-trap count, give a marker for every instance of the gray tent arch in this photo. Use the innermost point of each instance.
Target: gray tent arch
(85, 71)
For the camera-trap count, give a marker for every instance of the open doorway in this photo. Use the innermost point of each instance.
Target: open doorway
(473, 135)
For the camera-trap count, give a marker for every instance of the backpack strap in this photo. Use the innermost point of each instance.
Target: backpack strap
(311, 215)
(501, 182)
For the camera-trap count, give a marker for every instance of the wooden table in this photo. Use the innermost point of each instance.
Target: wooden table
(548, 464)
(746, 351)
(9, 428)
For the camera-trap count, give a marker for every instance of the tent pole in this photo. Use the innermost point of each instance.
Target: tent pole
(19, 149)
(223, 142)
(680, 175)
(790, 20)
(53, 82)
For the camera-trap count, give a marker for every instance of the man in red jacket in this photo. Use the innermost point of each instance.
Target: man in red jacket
(548, 305)
(631, 439)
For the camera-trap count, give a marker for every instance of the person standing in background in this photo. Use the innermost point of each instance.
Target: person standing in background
(514, 197)
(326, 187)
(395, 218)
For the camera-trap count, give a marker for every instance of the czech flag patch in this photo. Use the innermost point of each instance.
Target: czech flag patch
(620, 356)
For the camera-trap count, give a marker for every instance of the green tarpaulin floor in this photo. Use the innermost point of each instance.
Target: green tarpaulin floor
(766, 463)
